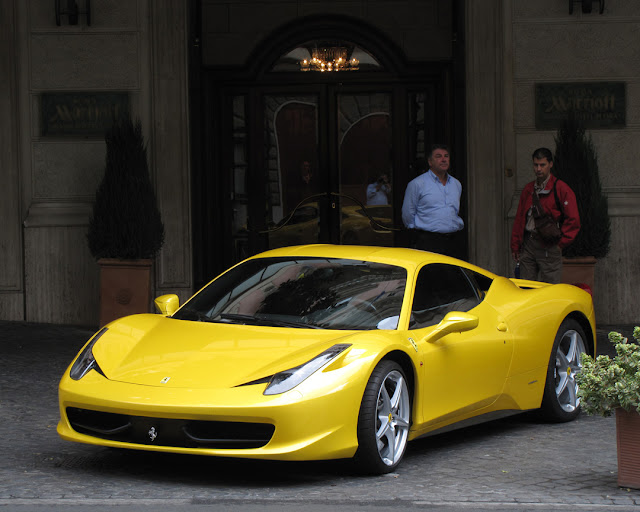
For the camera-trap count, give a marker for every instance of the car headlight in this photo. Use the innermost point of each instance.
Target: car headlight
(289, 379)
(85, 361)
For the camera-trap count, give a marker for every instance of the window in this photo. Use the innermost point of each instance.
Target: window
(326, 293)
(480, 282)
(440, 289)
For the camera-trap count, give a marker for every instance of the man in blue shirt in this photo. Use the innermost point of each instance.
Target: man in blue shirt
(379, 192)
(431, 207)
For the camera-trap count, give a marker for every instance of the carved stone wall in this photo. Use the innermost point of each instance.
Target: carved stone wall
(138, 48)
(550, 45)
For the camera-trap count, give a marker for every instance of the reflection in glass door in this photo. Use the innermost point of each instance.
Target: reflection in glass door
(239, 191)
(349, 200)
(366, 168)
(293, 177)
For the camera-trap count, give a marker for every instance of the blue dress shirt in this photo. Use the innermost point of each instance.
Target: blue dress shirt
(431, 206)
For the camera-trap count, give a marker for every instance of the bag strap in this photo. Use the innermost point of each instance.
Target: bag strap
(558, 205)
(538, 211)
(538, 206)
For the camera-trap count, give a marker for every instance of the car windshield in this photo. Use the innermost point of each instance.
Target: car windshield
(321, 293)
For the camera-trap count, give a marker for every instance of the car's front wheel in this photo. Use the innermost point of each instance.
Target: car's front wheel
(384, 420)
(560, 402)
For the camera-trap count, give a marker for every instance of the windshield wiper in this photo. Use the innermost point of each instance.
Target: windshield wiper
(267, 321)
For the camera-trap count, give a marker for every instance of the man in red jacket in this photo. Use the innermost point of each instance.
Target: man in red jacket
(535, 255)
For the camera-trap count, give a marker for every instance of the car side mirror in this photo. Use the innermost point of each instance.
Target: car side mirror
(455, 321)
(168, 304)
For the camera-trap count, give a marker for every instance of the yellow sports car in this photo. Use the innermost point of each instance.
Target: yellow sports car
(326, 352)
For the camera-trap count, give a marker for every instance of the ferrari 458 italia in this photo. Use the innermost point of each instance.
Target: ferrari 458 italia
(327, 352)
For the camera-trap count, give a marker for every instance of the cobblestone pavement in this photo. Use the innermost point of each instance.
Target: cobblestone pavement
(512, 462)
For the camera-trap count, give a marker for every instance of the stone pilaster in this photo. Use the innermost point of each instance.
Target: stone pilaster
(485, 163)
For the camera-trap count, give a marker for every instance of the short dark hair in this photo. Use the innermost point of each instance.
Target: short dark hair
(437, 146)
(543, 153)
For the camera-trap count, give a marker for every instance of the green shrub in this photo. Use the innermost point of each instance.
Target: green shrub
(576, 163)
(606, 384)
(126, 222)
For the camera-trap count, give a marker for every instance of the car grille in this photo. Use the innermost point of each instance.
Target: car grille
(170, 432)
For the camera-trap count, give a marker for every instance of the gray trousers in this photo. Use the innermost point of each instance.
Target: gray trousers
(540, 263)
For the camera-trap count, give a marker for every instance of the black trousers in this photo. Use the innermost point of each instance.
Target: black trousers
(449, 244)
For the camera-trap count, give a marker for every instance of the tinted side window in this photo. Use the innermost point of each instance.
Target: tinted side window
(440, 289)
(480, 282)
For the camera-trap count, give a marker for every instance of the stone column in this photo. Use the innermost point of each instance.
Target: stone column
(11, 284)
(170, 149)
(485, 111)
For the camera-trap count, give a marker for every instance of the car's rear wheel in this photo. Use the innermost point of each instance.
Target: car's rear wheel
(384, 419)
(560, 402)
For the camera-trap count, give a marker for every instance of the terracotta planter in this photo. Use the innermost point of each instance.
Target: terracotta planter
(628, 438)
(579, 270)
(125, 288)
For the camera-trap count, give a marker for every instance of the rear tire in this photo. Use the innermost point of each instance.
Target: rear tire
(560, 402)
(384, 420)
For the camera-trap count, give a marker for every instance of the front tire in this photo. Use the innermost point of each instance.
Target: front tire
(560, 402)
(384, 420)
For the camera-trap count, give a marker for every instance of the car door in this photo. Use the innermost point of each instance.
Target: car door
(462, 372)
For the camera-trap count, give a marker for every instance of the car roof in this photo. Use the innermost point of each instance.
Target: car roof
(408, 258)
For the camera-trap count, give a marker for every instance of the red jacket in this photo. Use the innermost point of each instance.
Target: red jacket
(567, 199)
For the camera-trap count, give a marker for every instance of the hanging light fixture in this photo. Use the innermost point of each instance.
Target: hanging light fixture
(329, 58)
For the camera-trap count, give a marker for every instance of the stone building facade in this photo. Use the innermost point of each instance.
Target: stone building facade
(198, 74)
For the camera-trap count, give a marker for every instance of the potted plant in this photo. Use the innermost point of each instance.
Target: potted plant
(125, 230)
(612, 385)
(576, 163)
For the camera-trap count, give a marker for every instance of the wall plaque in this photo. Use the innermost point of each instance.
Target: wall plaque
(596, 104)
(81, 114)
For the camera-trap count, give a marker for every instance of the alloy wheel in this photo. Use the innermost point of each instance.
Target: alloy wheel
(392, 418)
(568, 364)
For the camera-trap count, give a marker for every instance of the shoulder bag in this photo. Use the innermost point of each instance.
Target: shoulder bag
(546, 227)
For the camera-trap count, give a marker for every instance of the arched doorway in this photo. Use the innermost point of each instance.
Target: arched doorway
(289, 154)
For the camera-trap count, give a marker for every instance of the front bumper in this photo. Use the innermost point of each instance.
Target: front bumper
(310, 422)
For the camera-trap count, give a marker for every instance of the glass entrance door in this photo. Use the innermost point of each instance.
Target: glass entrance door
(328, 168)
(365, 168)
(296, 181)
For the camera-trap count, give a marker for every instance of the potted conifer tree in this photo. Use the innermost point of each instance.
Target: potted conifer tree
(576, 163)
(125, 230)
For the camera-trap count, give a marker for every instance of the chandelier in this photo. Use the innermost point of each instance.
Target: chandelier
(331, 58)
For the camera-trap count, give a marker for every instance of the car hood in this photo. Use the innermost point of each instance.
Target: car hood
(159, 351)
